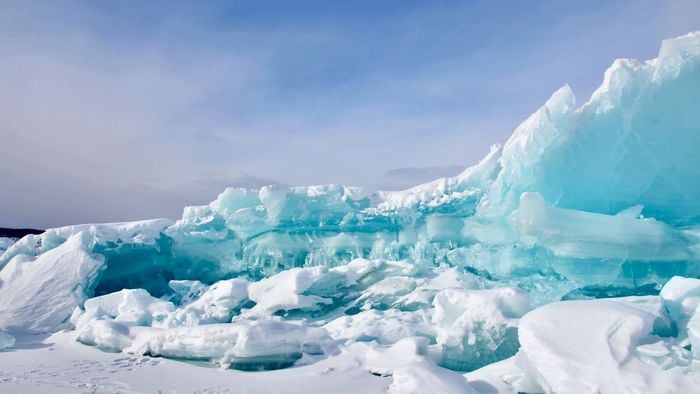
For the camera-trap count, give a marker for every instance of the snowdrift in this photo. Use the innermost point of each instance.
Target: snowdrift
(553, 253)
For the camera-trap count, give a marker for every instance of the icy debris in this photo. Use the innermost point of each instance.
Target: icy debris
(596, 346)
(284, 292)
(186, 291)
(412, 370)
(664, 355)
(681, 296)
(213, 304)
(128, 306)
(384, 327)
(477, 327)
(6, 340)
(107, 335)
(247, 345)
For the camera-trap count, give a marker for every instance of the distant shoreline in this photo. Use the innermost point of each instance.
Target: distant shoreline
(18, 232)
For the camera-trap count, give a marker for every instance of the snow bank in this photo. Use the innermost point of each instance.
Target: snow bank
(39, 294)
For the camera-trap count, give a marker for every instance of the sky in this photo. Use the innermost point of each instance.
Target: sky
(116, 111)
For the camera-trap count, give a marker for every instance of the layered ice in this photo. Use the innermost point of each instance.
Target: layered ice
(509, 260)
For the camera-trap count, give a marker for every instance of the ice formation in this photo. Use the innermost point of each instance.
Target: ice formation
(510, 260)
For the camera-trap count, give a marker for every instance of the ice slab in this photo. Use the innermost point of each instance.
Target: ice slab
(6, 340)
(247, 345)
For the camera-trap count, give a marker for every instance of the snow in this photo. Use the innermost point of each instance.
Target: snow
(565, 261)
(597, 346)
(57, 364)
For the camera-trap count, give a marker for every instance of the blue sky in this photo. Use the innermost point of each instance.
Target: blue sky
(125, 110)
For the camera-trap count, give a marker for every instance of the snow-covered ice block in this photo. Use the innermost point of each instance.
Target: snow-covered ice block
(107, 335)
(681, 296)
(128, 306)
(262, 344)
(39, 294)
(284, 292)
(186, 291)
(385, 327)
(593, 346)
(412, 370)
(214, 304)
(476, 327)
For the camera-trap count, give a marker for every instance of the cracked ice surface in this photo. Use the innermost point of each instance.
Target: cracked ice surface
(563, 262)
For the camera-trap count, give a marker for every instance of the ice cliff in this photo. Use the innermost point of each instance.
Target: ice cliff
(581, 203)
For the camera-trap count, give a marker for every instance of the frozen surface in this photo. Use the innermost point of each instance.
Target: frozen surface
(565, 261)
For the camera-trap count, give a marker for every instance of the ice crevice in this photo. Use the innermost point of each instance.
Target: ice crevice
(565, 261)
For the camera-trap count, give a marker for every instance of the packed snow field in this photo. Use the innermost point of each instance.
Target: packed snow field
(565, 261)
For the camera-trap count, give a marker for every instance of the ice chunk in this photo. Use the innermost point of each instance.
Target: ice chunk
(412, 371)
(107, 335)
(216, 304)
(385, 327)
(187, 291)
(40, 294)
(581, 346)
(477, 327)
(664, 355)
(284, 292)
(247, 345)
(6, 340)
(571, 233)
(128, 306)
(681, 296)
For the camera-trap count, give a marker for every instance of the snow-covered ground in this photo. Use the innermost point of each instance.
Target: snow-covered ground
(58, 364)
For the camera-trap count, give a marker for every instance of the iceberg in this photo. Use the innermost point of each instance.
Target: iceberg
(567, 257)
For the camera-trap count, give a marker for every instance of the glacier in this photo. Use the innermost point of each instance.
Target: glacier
(583, 228)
